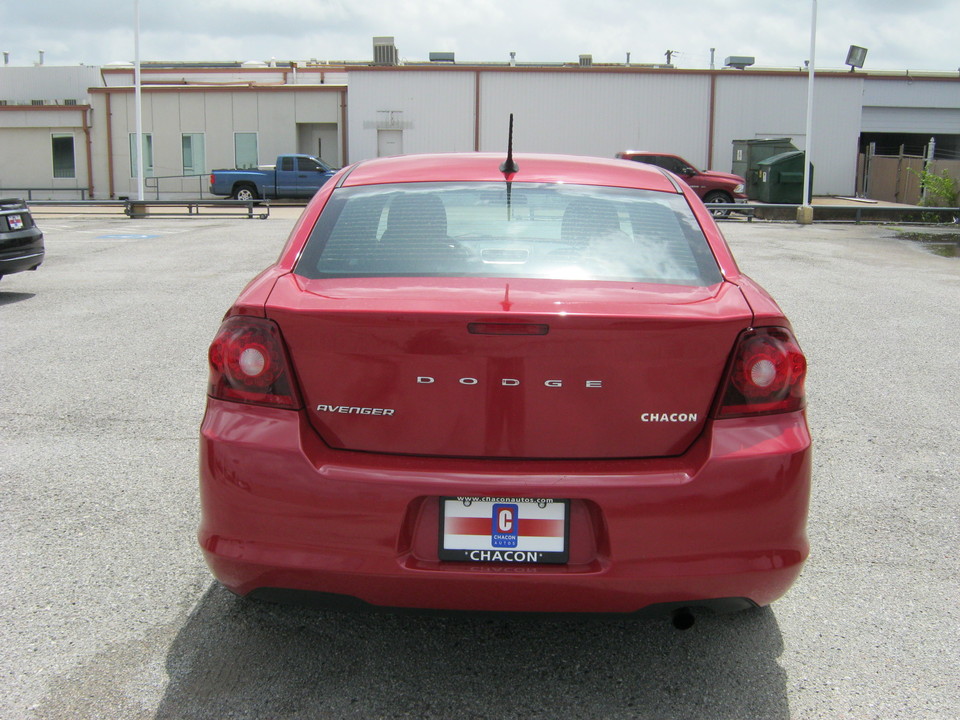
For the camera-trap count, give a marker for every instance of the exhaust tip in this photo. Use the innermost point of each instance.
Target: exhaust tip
(683, 619)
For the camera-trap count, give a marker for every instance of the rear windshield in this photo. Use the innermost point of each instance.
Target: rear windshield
(528, 230)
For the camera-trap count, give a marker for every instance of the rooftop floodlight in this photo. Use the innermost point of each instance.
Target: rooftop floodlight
(855, 57)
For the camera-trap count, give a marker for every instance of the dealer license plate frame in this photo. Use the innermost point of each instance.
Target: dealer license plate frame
(517, 514)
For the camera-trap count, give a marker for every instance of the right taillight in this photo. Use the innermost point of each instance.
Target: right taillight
(248, 363)
(766, 375)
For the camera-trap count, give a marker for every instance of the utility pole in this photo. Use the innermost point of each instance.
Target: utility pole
(137, 110)
(805, 211)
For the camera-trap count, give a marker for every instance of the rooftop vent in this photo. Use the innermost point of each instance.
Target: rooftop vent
(384, 51)
(442, 57)
(739, 61)
(586, 60)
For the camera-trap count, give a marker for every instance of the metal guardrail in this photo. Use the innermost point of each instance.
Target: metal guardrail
(749, 211)
(138, 209)
(142, 208)
(841, 213)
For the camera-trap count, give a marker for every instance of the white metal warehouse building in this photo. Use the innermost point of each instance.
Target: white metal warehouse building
(66, 132)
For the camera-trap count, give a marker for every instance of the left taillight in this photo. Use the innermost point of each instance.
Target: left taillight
(766, 375)
(249, 364)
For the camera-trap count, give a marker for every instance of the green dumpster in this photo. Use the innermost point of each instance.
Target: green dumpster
(747, 154)
(780, 178)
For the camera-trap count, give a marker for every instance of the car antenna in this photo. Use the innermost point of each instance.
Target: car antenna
(508, 167)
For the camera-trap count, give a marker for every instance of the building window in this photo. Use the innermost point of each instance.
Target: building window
(193, 160)
(245, 149)
(64, 162)
(147, 154)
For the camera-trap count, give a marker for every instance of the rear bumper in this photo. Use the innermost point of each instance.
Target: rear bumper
(21, 251)
(280, 510)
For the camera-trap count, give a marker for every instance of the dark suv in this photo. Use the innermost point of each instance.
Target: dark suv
(21, 242)
(711, 186)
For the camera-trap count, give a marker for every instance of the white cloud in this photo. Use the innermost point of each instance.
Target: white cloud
(918, 35)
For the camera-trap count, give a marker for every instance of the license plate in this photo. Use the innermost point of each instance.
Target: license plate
(504, 529)
(15, 222)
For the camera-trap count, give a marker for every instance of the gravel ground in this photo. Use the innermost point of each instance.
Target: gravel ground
(108, 610)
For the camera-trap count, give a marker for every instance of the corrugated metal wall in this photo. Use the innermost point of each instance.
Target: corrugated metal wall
(601, 112)
(907, 92)
(586, 113)
(429, 108)
(21, 85)
(750, 107)
(928, 120)
(562, 112)
(435, 110)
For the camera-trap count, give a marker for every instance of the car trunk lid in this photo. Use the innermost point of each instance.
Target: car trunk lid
(484, 367)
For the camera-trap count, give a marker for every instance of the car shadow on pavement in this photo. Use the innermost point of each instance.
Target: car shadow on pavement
(244, 659)
(9, 298)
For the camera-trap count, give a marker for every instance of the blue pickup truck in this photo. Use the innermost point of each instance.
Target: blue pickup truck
(293, 176)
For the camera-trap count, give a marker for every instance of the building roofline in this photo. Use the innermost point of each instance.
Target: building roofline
(203, 87)
(215, 68)
(44, 108)
(640, 69)
(287, 68)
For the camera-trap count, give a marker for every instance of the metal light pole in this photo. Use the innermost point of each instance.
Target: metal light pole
(136, 93)
(805, 211)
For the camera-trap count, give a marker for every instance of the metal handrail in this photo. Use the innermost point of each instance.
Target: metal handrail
(82, 190)
(155, 185)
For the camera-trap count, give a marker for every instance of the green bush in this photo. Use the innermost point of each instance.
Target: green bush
(940, 190)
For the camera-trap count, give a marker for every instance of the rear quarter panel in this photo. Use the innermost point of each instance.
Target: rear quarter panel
(765, 308)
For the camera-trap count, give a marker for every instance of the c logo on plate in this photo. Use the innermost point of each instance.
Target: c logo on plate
(504, 532)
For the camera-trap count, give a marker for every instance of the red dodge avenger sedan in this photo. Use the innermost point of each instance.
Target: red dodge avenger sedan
(474, 385)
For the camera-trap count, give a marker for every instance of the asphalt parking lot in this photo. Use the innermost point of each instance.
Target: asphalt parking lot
(108, 610)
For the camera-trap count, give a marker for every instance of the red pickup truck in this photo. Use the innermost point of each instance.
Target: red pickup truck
(711, 186)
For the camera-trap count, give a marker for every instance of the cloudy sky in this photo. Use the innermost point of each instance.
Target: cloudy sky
(900, 34)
